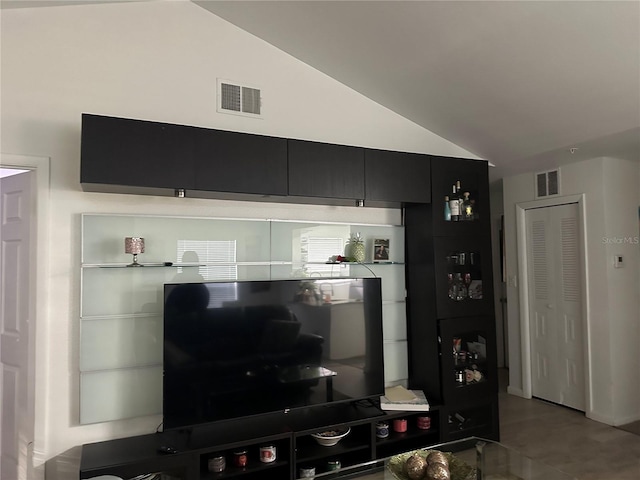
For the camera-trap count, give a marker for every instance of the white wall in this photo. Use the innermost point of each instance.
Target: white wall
(156, 61)
(612, 197)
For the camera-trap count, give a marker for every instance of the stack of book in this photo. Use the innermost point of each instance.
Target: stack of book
(399, 398)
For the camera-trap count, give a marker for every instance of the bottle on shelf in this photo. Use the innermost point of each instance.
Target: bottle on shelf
(466, 211)
(451, 286)
(447, 209)
(457, 288)
(454, 202)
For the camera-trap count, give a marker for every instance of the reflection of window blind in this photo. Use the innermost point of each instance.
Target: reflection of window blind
(221, 293)
(319, 249)
(206, 252)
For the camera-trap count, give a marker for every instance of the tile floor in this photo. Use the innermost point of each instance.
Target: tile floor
(563, 438)
(567, 440)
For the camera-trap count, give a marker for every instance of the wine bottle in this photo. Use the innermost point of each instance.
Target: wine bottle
(454, 204)
(447, 209)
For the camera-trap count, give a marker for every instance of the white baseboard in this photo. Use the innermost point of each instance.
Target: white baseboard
(627, 419)
(515, 391)
(599, 418)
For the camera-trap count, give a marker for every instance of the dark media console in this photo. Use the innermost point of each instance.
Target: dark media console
(290, 434)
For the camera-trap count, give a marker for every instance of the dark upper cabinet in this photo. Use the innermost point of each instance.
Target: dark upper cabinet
(397, 177)
(473, 176)
(240, 162)
(127, 152)
(325, 170)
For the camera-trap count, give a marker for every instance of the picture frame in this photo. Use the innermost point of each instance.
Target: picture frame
(381, 252)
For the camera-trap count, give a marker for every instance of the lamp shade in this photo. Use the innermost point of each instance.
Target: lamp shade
(134, 245)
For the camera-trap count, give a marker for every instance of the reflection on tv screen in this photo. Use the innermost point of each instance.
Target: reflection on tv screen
(234, 349)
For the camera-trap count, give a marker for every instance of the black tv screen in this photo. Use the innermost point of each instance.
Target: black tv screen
(236, 349)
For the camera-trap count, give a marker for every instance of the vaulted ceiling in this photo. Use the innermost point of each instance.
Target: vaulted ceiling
(522, 84)
(519, 83)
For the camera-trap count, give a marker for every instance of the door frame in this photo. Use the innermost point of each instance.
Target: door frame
(523, 287)
(39, 269)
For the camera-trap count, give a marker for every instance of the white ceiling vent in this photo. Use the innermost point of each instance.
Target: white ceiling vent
(238, 99)
(547, 183)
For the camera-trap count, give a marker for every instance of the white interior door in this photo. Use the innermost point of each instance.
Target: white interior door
(17, 424)
(555, 303)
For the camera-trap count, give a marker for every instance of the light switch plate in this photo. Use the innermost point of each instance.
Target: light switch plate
(617, 261)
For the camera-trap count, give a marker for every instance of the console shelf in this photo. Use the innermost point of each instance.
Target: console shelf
(289, 433)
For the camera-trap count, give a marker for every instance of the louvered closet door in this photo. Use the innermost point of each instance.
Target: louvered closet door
(556, 323)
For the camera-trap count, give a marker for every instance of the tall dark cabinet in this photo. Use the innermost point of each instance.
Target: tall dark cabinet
(450, 310)
(451, 320)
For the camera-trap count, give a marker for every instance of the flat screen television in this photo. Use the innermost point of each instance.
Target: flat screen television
(243, 348)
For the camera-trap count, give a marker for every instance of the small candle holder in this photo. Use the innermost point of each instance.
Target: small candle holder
(134, 246)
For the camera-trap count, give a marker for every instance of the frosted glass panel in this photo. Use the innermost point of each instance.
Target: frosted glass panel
(120, 342)
(254, 272)
(103, 237)
(394, 234)
(393, 286)
(292, 241)
(118, 394)
(307, 242)
(395, 362)
(124, 291)
(394, 316)
(122, 307)
(299, 270)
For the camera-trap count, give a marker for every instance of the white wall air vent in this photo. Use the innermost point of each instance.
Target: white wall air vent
(238, 99)
(547, 183)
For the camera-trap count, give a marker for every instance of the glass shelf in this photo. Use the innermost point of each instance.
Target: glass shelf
(213, 264)
(169, 265)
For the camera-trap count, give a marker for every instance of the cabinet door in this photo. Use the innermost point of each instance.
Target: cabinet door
(325, 170)
(463, 276)
(126, 152)
(474, 178)
(479, 418)
(397, 177)
(240, 162)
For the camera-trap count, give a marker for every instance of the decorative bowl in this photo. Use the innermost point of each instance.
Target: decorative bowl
(329, 438)
(458, 468)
